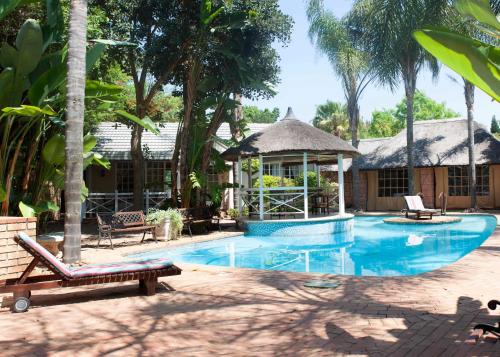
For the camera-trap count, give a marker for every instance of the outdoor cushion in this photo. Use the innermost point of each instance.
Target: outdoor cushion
(121, 267)
(415, 203)
(53, 263)
(91, 270)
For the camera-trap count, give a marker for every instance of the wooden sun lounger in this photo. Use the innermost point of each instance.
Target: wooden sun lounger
(415, 206)
(146, 272)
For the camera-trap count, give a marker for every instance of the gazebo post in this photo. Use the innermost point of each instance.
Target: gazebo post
(240, 186)
(249, 172)
(340, 163)
(306, 202)
(261, 188)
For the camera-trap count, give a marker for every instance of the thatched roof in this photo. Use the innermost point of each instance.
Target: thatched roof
(437, 143)
(290, 136)
(365, 147)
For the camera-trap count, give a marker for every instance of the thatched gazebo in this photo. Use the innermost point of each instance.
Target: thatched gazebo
(288, 142)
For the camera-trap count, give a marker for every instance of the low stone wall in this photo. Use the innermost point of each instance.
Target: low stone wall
(14, 259)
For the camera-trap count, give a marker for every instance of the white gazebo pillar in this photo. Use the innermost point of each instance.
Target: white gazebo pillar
(261, 188)
(240, 186)
(230, 191)
(340, 164)
(306, 201)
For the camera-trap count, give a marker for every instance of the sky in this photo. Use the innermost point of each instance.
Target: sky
(307, 78)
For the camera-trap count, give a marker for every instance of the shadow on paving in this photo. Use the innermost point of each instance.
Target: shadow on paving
(266, 312)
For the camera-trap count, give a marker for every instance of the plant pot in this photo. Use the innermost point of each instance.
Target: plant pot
(163, 230)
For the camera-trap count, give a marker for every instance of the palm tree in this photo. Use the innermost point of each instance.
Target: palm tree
(386, 27)
(332, 117)
(469, 102)
(335, 38)
(74, 130)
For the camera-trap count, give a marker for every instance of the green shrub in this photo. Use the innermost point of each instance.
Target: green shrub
(233, 213)
(274, 181)
(156, 216)
(311, 180)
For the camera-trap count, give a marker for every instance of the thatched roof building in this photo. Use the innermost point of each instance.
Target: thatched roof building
(289, 136)
(437, 143)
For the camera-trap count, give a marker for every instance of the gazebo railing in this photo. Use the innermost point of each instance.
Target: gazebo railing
(277, 200)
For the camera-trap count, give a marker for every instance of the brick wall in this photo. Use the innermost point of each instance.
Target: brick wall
(14, 259)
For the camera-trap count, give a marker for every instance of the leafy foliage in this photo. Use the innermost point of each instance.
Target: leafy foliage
(389, 122)
(333, 118)
(475, 60)
(253, 114)
(156, 217)
(495, 128)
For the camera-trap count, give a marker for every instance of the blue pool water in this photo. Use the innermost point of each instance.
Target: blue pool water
(371, 248)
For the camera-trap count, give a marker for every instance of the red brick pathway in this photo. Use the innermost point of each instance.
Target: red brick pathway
(224, 312)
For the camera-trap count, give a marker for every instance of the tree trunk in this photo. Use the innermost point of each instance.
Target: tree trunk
(237, 117)
(189, 92)
(137, 165)
(410, 81)
(469, 102)
(74, 130)
(353, 110)
(174, 167)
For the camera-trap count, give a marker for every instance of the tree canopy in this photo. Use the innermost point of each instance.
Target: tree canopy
(333, 118)
(389, 122)
(495, 128)
(253, 114)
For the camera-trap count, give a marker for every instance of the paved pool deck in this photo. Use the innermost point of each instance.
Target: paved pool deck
(209, 311)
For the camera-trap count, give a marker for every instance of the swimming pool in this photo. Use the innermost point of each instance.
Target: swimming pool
(371, 248)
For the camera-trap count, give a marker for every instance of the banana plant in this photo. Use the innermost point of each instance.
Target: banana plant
(32, 104)
(52, 173)
(476, 61)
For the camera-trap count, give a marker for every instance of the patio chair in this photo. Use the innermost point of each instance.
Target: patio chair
(146, 272)
(416, 206)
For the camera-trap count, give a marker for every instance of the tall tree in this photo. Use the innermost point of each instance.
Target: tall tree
(386, 27)
(333, 118)
(336, 39)
(74, 130)
(159, 48)
(233, 53)
(495, 128)
(469, 102)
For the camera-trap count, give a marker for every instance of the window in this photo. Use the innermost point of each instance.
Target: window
(271, 169)
(291, 172)
(212, 177)
(458, 180)
(124, 176)
(158, 176)
(392, 182)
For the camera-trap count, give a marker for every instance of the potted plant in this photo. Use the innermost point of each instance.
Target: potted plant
(168, 223)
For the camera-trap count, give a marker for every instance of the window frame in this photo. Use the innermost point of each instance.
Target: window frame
(124, 176)
(392, 182)
(458, 180)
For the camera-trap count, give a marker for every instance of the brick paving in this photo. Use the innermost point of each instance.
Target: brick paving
(210, 311)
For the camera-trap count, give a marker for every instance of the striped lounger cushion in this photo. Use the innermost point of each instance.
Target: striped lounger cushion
(92, 270)
(54, 264)
(122, 267)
